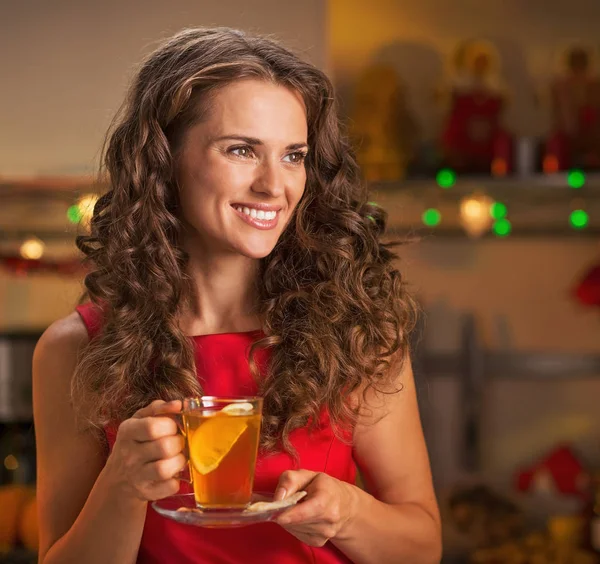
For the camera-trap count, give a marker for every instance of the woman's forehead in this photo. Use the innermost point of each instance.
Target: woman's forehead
(256, 108)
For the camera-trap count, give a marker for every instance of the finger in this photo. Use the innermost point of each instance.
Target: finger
(292, 481)
(161, 470)
(148, 428)
(309, 512)
(316, 505)
(148, 410)
(172, 407)
(159, 449)
(158, 407)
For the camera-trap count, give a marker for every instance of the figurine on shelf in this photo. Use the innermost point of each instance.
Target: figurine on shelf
(382, 128)
(560, 471)
(587, 289)
(473, 139)
(575, 98)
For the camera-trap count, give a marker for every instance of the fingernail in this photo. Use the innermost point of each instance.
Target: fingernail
(280, 494)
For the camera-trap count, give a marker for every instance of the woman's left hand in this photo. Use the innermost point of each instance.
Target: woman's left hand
(324, 513)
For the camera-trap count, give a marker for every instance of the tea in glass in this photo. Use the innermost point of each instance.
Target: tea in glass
(222, 439)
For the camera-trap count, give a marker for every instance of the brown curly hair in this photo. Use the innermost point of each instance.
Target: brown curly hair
(335, 308)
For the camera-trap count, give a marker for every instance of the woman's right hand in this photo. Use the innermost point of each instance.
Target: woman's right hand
(148, 453)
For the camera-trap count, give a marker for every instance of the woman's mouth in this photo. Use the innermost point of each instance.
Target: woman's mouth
(260, 217)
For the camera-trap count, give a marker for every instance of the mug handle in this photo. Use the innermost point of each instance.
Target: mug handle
(185, 474)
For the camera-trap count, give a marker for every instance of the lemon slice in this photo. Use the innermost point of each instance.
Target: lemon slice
(211, 442)
(238, 409)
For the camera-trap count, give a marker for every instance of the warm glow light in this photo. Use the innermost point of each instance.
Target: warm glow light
(475, 214)
(32, 249)
(11, 463)
(550, 164)
(499, 167)
(85, 206)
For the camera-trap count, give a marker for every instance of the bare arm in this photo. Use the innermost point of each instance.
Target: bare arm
(398, 521)
(86, 512)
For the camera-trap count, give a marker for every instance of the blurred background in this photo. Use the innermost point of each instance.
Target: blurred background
(477, 125)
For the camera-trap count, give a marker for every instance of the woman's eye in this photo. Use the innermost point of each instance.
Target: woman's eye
(243, 152)
(296, 158)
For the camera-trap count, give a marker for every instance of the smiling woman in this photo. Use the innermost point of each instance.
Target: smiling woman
(246, 159)
(235, 254)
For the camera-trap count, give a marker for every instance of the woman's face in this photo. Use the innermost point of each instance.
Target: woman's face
(241, 170)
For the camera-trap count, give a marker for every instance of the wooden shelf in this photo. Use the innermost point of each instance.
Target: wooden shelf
(538, 206)
(530, 365)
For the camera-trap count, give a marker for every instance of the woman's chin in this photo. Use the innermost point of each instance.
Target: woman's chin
(257, 251)
(256, 247)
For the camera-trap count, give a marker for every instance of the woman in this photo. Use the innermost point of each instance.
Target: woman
(235, 218)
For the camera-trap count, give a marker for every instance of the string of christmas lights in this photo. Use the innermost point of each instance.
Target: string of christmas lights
(481, 213)
(483, 206)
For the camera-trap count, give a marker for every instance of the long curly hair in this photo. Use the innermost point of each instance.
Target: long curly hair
(336, 312)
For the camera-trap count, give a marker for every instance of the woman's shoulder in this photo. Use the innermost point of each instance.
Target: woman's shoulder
(59, 345)
(55, 360)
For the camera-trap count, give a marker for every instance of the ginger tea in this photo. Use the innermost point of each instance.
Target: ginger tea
(223, 443)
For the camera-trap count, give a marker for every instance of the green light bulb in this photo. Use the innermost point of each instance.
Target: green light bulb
(498, 210)
(431, 217)
(446, 178)
(576, 178)
(74, 214)
(502, 227)
(579, 219)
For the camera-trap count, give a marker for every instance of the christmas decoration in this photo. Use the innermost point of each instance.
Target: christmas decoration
(560, 472)
(85, 208)
(383, 129)
(475, 216)
(575, 96)
(587, 290)
(32, 248)
(473, 139)
(20, 266)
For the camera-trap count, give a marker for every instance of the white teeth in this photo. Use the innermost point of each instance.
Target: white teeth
(257, 214)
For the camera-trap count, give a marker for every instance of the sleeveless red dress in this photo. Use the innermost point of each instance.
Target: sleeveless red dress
(222, 367)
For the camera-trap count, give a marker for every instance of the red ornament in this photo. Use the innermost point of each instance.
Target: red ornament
(560, 470)
(587, 290)
(473, 136)
(24, 267)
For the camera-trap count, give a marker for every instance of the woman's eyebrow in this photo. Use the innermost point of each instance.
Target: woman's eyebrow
(253, 141)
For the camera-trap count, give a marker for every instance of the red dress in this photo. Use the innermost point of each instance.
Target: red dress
(222, 367)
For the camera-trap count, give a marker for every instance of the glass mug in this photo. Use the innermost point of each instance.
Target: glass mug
(222, 436)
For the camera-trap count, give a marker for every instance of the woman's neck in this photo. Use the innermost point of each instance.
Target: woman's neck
(226, 295)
